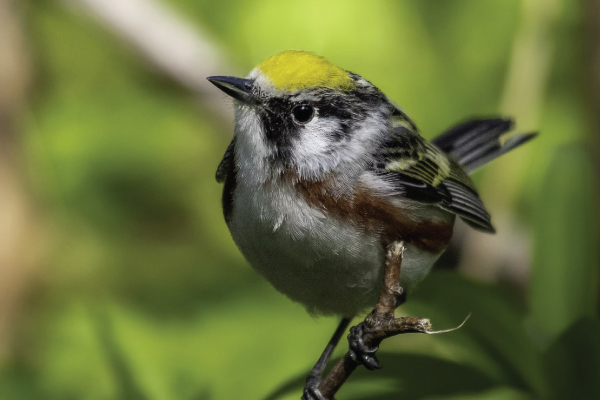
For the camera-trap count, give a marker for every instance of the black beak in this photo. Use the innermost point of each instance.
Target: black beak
(238, 88)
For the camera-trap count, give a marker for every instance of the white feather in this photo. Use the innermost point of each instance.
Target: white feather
(321, 261)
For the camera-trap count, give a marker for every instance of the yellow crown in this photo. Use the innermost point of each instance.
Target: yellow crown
(295, 70)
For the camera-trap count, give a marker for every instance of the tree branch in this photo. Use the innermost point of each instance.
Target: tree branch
(179, 49)
(380, 324)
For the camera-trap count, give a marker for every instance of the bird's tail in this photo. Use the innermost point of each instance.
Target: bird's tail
(478, 141)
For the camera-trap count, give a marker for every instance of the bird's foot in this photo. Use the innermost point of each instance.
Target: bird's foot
(311, 389)
(359, 351)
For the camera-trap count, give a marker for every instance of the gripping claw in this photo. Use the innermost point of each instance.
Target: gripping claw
(359, 351)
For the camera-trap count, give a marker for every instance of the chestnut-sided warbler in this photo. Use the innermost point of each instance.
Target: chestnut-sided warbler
(324, 172)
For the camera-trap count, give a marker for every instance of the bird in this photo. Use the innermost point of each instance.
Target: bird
(324, 171)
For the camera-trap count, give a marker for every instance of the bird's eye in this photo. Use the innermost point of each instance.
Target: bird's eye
(302, 114)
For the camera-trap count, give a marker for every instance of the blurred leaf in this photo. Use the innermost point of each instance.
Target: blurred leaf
(572, 362)
(292, 385)
(499, 393)
(494, 338)
(72, 360)
(418, 377)
(125, 381)
(19, 382)
(564, 282)
(412, 376)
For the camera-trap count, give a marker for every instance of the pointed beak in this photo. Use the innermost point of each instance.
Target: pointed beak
(238, 88)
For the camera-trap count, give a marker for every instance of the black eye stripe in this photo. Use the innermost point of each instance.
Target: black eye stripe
(282, 126)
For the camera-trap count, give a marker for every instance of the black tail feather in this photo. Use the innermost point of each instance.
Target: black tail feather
(476, 142)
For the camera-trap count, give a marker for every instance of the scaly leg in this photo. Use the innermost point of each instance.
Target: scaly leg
(311, 390)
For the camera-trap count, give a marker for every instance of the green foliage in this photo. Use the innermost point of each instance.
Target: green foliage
(145, 295)
(572, 362)
(565, 287)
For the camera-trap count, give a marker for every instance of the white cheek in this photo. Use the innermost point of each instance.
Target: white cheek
(312, 150)
(316, 152)
(314, 139)
(372, 131)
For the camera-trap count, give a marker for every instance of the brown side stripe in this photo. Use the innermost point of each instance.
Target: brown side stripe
(374, 214)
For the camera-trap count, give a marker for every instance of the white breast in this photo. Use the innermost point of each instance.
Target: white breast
(320, 261)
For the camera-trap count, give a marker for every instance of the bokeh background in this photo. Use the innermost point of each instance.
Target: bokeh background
(118, 277)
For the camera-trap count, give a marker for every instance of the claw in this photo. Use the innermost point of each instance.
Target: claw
(359, 351)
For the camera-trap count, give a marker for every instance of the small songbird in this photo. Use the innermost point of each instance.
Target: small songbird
(324, 172)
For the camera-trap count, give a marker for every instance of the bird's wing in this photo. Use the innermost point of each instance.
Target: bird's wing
(226, 163)
(420, 171)
(475, 142)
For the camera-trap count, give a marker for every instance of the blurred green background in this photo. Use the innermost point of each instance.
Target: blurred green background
(118, 277)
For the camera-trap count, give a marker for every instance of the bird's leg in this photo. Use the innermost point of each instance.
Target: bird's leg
(311, 390)
(360, 348)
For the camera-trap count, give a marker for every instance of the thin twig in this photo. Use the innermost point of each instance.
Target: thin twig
(380, 324)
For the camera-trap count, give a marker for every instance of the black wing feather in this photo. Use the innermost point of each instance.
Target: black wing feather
(412, 188)
(478, 141)
(225, 164)
(461, 139)
(482, 157)
(466, 203)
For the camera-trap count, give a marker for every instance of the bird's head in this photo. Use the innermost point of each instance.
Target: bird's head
(298, 111)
